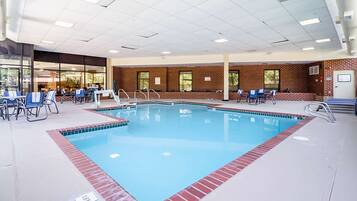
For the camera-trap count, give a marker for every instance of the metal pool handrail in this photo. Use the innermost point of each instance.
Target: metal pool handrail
(155, 92)
(313, 109)
(122, 90)
(140, 93)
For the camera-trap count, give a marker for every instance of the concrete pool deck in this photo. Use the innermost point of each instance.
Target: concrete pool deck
(33, 168)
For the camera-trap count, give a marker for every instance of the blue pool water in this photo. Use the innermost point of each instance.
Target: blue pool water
(166, 148)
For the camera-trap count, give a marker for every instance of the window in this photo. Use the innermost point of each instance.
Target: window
(72, 76)
(272, 79)
(143, 80)
(233, 80)
(185, 81)
(95, 76)
(46, 76)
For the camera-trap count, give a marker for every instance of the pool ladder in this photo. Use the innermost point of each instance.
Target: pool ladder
(313, 109)
(155, 92)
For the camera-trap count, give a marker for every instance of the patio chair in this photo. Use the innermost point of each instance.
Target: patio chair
(261, 96)
(272, 96)
(239, 95)
(10, 102)
(79, 96)
(51, 100)
(34, 101)
(2, 110)
(252, 96)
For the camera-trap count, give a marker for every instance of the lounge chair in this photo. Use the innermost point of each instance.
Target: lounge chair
(252, 96)
(51, 100)
(10, 102)
(272, 96)
(2, 110)
(33, 101)
(239, 95)
(79, 96)
(261, 96)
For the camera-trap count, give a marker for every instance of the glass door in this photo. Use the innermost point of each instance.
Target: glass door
(9, 78)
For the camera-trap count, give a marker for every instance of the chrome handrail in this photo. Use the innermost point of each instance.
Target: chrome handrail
(140, 93)
(122, 90)
(155, 92)
(313, 109)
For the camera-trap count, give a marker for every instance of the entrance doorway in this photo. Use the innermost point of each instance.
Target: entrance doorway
(344, 84)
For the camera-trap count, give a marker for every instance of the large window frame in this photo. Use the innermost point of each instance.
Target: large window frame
(234, 84)
(184, 81)
(143, 82)
(272, 82)
(67, 68)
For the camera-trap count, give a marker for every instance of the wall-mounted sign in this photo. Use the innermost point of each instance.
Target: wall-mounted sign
(207, 79)
(329, 78)
(157, 80)
(344, 78)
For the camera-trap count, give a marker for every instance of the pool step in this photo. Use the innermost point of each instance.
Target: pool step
(347, 109)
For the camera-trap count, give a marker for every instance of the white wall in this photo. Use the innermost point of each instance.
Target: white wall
(260, 57)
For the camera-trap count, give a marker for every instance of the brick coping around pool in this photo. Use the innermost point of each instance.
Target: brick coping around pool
(111, 190)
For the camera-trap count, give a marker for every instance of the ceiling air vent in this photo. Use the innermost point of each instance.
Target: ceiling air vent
(280, 41)
(129, 47)
(251, 50)
(148, 35)
(106, 3)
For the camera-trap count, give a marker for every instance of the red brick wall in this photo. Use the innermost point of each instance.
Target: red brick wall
(126, 78)
(292, 76)
(316, 82)
(198, 78)
(330, 66)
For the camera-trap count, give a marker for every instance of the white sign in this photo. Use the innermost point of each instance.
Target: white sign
(87, 197)
(207, 79)
(157, 80)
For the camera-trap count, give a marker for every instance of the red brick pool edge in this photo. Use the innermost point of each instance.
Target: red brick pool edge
(107, 187)
(204, 186)
(110, 190)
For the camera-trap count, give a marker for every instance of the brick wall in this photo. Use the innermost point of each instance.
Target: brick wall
(292, 76)
(316, 82)
(332, 65)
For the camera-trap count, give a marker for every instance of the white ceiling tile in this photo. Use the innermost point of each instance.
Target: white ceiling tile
(184, 26)
(172, 6)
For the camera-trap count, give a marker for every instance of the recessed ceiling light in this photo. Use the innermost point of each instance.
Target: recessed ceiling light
(93, 1)
(166, 52)
(64, 24)
(73, 68)
(47, 42)
(221, 40)
(308, 48)
(113, 51)
(310, 21)
(325, 40)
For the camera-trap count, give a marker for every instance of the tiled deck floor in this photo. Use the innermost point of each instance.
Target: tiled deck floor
(33, 168)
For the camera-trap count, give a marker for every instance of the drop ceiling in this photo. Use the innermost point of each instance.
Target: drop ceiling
(182, 27)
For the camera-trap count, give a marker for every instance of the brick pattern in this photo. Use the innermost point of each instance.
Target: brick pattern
(332, 65)
(316, 82)
(204, 186)
(107, 187)
(293, 76)
(110, 190)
